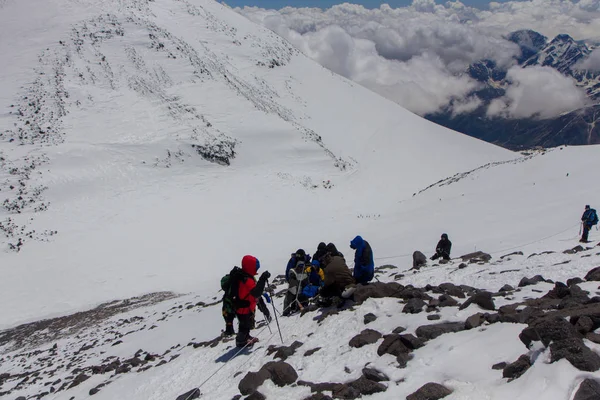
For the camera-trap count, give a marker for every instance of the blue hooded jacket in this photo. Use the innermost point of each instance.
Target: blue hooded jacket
(364, 266)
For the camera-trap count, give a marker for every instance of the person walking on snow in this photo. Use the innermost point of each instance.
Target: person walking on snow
(588, 219)
(442, 250)
(364, 267)
(249, 291)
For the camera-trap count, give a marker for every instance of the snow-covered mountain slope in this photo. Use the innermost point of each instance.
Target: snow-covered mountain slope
(160, 346)
(147, 144)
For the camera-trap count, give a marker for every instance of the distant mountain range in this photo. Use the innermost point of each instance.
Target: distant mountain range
(563, 53)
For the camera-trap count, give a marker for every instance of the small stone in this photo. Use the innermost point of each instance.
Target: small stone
(368, 318)
(433, 317)
(367, 336)
(499, 366)
(374, 375)
(430, 391)
(518, 368)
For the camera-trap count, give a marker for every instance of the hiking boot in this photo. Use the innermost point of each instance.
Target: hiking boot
(229, 331)
(248, 343)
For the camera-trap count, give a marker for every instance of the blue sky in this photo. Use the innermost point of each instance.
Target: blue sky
(328, 3)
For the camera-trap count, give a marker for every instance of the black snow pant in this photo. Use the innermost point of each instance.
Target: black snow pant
(441, 254)
(246, 323)
(586, 232)
(229, 317)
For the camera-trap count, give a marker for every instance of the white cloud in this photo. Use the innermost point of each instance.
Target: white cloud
(413, 54)
(592, 63)
(537, 92)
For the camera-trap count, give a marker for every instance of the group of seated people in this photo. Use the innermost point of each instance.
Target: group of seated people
(326, 274)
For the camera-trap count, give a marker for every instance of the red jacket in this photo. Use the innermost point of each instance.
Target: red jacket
(249, 266)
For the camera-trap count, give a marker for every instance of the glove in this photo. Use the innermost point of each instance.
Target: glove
(267, 297)
(265, 275)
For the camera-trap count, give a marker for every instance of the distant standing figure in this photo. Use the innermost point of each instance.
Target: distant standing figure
(588, 219)
(419, 260)
(364, 266)
(442, 250)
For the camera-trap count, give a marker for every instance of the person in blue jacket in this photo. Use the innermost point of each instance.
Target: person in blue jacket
(364, 267)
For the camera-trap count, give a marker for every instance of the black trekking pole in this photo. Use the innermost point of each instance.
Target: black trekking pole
(275, 312)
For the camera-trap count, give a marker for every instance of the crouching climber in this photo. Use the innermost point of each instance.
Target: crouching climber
(338, 284)
(298, 279)
(442, 250)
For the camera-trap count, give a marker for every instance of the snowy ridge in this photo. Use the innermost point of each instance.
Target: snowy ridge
(163, 129)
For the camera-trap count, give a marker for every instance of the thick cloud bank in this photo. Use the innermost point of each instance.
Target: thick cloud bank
(417, 55)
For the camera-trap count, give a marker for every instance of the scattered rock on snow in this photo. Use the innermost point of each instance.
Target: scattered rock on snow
(432, 331)
(589, 389)
(574, 281)
(482, 299)
(516, 253)
(366, 386)
(414, 306)
(367, 336)
(574, 250)
(593, 274)
(368, 318)
(374, 375)
(252, 381)
(318, 396)
(282, 373)
(79, 379)
(434, 317)
(430, 391)
(500, 365)
(506, 288)
(283, 352)
(377, 290)
(192, 394)
(399, 329)
(474, 321)
(411, 341)
(478, 256)
(452, 290)
(392, 344)
(576, 352)
(256, 396)
(516, 369)
(531, 281)
(310, 352)
(448, 301)
(584, 325)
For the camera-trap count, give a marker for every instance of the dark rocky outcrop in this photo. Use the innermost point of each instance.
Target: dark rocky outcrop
(283, 352)
(430, 391)
(516, 369)
(281, 373)
(531, 281)
(368, 318)
(374, 375)
(478, 256)
(367, 336)
(483, 299)
(377, 290)
(593, 274)
(428, 332)
(192, 394)
(414, 306)
(589, 389)
(474, 321)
